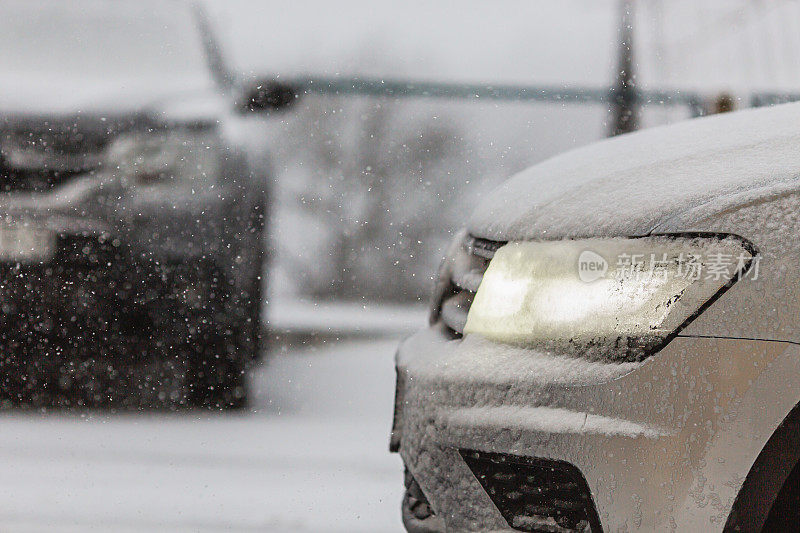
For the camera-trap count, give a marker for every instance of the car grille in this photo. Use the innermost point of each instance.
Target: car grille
(534, 494)
(37, 160)
(81, 294)
(14, 180)
(80, 329)
(465, 277)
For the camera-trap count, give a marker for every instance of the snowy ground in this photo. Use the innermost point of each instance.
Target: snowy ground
(294, 317)
(312, 456)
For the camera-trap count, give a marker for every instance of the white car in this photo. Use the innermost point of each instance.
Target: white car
(615, 342)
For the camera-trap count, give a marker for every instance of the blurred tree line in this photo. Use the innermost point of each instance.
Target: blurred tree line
(368, 193)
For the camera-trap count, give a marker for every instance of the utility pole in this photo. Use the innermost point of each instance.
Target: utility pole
(625, 98)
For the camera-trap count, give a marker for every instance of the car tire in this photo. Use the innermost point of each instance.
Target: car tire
(216, 370)
(216, 379)
(251, 338)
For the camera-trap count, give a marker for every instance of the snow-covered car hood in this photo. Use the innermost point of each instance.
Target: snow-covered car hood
(64, 97)
(650, 180)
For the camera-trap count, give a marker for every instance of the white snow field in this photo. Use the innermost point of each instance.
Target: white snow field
(311, 456)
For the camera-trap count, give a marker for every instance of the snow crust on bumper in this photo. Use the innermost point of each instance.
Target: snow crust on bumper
(664, 443)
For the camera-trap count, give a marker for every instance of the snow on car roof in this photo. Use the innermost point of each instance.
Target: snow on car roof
(629, 185)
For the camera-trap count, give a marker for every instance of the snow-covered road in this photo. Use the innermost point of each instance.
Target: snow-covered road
(312, 456)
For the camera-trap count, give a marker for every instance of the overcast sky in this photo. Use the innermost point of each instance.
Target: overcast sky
(508, 40)
(731, 44)
(712, 45)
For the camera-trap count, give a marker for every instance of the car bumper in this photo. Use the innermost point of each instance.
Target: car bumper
(95, 319)
(662, 444)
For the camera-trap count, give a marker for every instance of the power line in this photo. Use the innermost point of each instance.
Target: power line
(398, 88)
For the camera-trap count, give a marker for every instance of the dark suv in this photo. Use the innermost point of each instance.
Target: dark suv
(132, 233)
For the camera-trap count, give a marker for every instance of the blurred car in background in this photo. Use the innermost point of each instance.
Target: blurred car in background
(614, 343)
(132, 221)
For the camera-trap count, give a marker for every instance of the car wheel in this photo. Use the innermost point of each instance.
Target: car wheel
(216, 379)
(251, 335)
(216, 370)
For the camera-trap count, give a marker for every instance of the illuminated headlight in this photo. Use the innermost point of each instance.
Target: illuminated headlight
(147, 158)
(617, 299)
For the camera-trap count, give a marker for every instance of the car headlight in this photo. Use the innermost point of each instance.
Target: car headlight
(617, 298)
(159, 157)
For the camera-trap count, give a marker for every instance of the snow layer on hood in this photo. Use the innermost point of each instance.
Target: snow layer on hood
(477, 358)
(629, 184)
(36, 96)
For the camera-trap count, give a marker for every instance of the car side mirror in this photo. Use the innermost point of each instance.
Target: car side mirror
(265, 96)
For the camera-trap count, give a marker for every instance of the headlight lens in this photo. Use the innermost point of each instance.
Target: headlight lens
(615, 299)
(155, 157)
